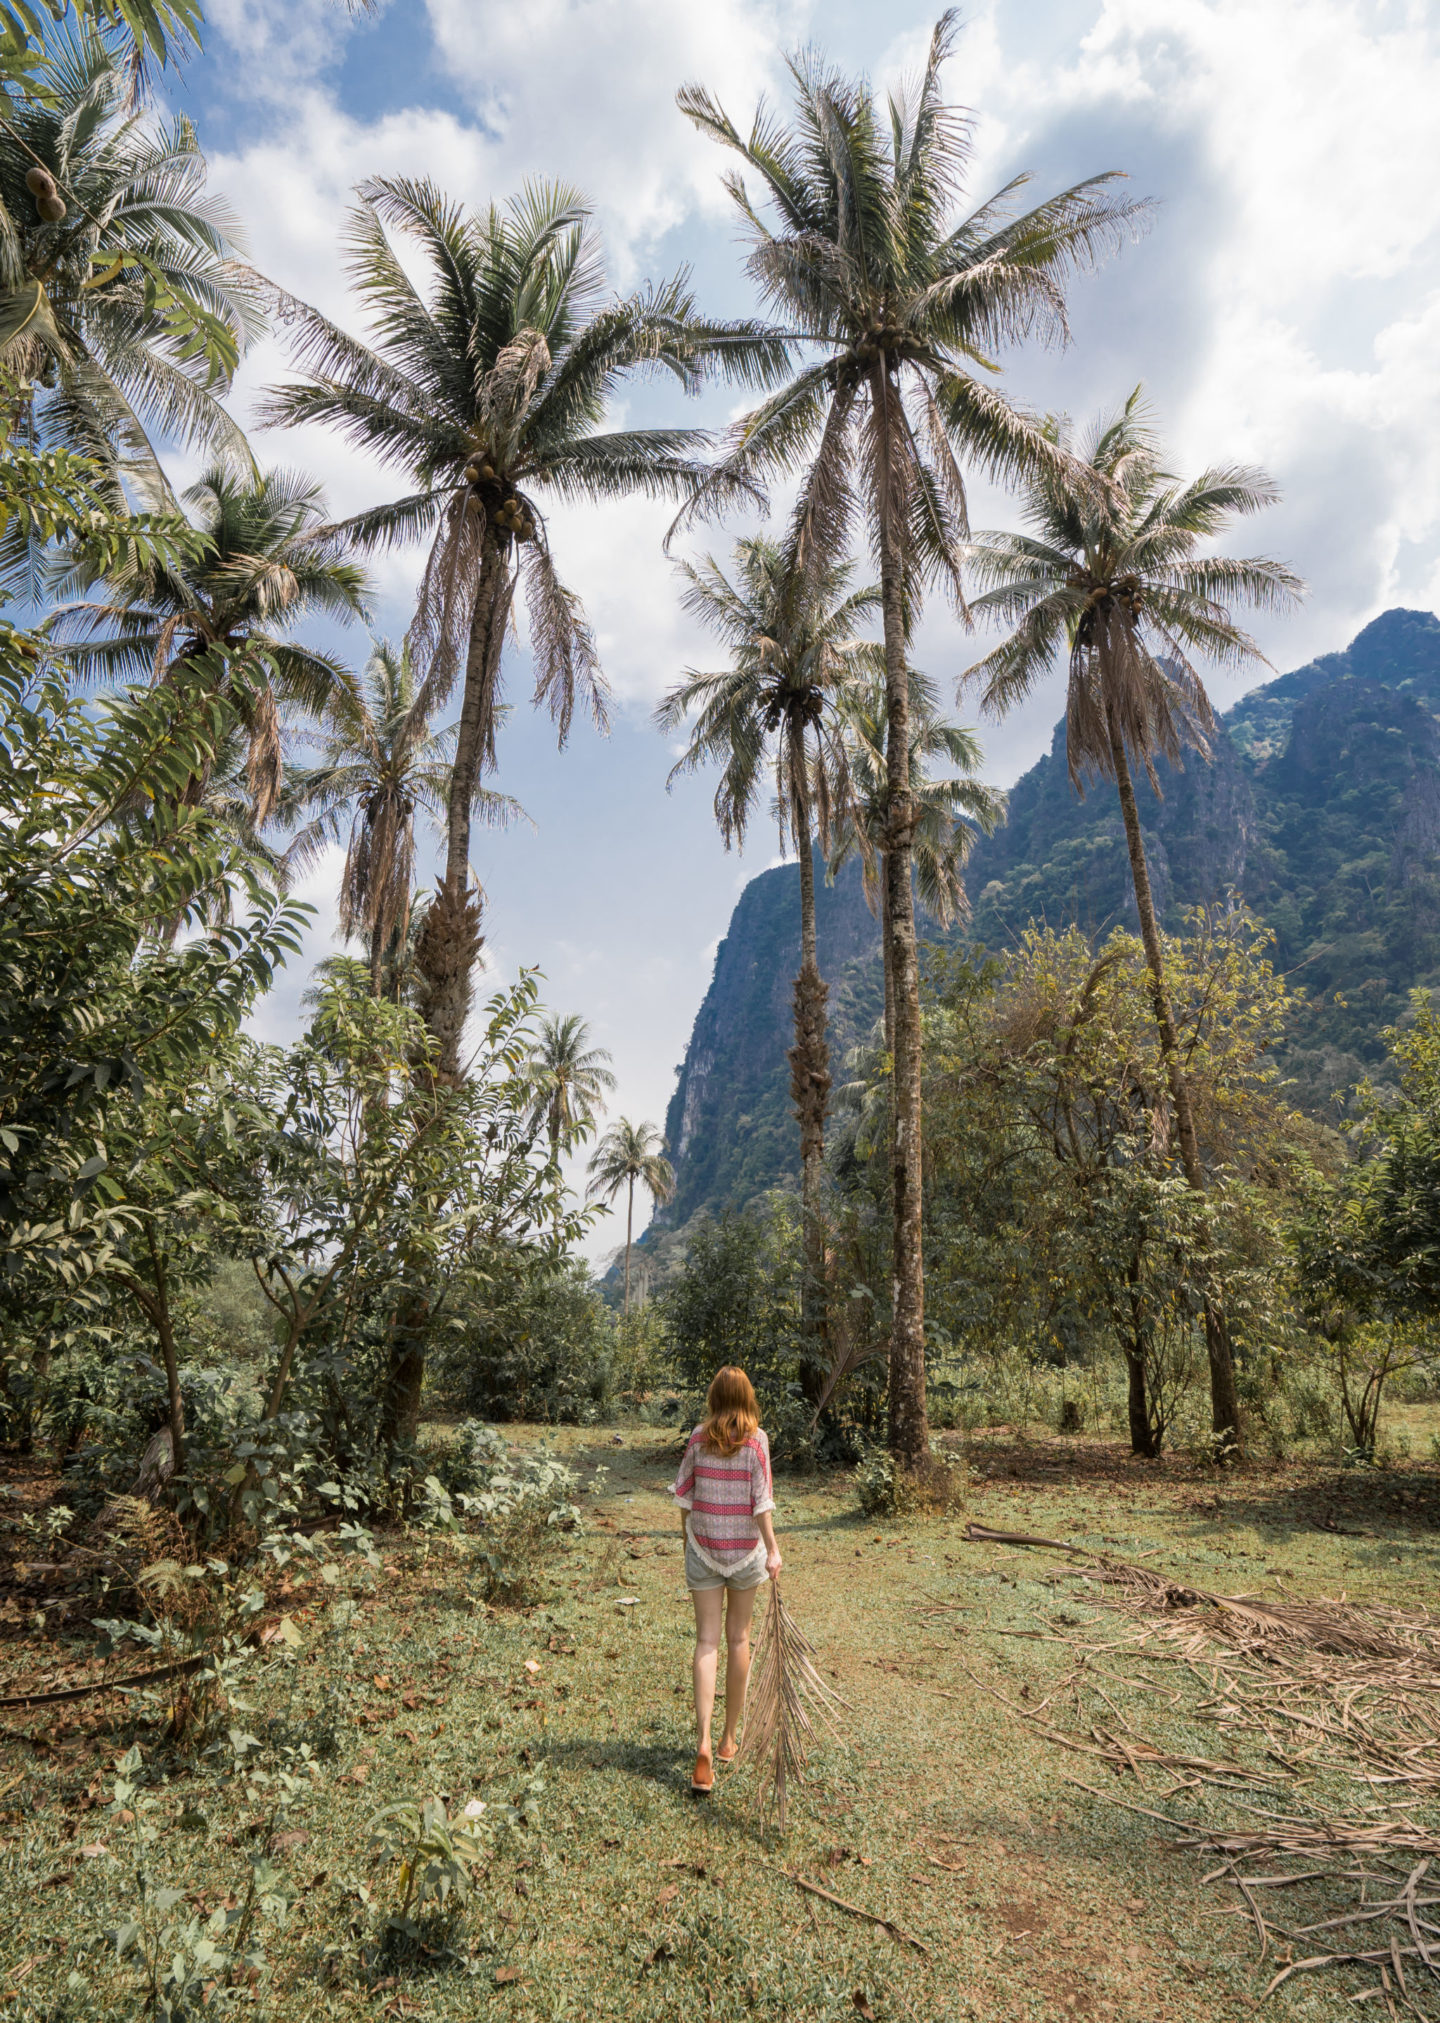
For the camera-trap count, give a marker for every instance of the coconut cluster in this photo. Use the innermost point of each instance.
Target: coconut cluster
(48, 200)
(887, 338)
(498, 501)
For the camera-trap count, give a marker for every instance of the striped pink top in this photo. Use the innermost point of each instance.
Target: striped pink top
(725, 1493)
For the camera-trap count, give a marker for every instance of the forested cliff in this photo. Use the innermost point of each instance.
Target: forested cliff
(1320, 806)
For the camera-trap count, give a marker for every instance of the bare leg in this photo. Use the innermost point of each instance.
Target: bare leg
(708, 1604)
(739, 1608)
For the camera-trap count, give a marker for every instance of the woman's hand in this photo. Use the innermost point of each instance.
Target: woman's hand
(773, 1562)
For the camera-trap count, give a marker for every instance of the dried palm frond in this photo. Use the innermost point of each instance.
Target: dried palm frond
(787, 1698)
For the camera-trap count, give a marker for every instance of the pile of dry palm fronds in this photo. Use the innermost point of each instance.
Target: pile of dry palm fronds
(787, 1698)
(1318, 1694)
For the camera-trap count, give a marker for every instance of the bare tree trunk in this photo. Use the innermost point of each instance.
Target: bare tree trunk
(629, 1226)
(449, 942)
(1224, 1398)
(159, 1314)
(909, 1420)
(809, 1091)
(885, 953)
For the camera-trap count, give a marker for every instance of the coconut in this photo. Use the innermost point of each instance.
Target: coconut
(39, 182)
(51, 209)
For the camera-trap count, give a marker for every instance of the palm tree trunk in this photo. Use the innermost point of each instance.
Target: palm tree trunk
(629, 1226)
(809, 1090)
(885, 953)
(1224, 1399)
(449, 942)
(909, 1420)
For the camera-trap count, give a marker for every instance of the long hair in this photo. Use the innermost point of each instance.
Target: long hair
(732, 1411)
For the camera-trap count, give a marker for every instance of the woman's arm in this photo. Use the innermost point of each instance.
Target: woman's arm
(773, 1561)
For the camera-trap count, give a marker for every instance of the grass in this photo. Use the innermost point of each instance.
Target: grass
(623, 1897)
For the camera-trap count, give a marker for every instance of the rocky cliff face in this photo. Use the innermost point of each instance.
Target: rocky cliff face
(1320, 807)
(729, 1123)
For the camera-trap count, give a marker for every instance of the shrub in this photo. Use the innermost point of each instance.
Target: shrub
(542, 1346)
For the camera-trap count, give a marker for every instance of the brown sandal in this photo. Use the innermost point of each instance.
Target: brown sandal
(702, 1777)
(728, 1754)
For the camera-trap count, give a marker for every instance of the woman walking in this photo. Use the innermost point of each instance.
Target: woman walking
(725, 1495)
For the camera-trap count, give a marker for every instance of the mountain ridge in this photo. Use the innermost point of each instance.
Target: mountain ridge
(1320, 806)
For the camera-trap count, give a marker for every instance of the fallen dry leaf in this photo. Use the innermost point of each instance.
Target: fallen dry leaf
(296, 1836)
(93, 1850)
(504, 1975)
(862, 2003)
(668, 1894)
(381, 1682)
(357, 1775)
(409, 1735)
(532, 1666)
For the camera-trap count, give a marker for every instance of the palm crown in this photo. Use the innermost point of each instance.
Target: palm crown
(866, 263)
(950, 805)
(381, 763)
(1110, 577)
(569, 1080)
(794, 654)
(130, 308)
(629, 1154)
(267, 562)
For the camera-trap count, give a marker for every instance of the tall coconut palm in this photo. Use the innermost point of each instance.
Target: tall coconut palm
(627, 1153)
(488, 387)
(120, 297)
(381, 763)
(569, 1080)
(1110, 577)
(950, 806)
(906, 303)
(267, 563)
(775, 711)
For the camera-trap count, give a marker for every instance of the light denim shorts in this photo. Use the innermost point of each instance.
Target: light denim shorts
(702, 1579)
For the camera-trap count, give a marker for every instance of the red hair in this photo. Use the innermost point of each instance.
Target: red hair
(732, 1411)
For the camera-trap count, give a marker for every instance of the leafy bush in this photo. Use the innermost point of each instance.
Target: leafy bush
(539, 1343)
(737, 1300)
(516, 1498)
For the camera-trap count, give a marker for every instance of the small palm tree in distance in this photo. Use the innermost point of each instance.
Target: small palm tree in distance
(1109, 576)
(569, 1080)
(626, 1154)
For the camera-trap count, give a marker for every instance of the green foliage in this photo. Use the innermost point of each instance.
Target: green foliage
(1056, 1222)
(538, 1342)
(737, 1300)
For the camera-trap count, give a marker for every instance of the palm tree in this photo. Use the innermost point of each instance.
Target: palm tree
(1110, 576)
(906, 304)
(267, 562)
(569, 1080)
(793, 657)
(949, 807)
(381, 763)
(627, 1153)
(119, 291)
(488, 387)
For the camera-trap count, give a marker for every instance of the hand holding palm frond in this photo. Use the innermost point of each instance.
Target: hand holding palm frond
(787, 1698)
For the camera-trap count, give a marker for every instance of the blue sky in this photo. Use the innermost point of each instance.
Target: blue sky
(1283, 308)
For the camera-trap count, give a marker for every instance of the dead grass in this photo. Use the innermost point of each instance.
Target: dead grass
(626, 1898)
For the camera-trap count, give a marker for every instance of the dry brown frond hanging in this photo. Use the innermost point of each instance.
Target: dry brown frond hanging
(787, 1698)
